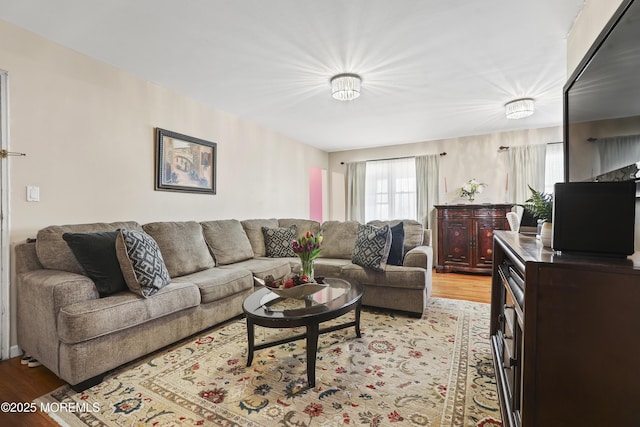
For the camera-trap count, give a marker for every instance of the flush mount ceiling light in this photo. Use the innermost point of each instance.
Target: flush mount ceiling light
(519, 108)
(345, 87)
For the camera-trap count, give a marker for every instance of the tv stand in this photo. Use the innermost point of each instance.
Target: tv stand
(565, 336)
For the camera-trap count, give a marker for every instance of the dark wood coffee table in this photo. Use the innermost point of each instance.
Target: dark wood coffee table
(264, 308)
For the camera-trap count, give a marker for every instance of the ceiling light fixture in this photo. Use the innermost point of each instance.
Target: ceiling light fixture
(519, 108)
(345, 87)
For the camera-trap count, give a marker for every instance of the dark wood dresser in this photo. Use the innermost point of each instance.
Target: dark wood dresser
(465, 236)
(565, 336)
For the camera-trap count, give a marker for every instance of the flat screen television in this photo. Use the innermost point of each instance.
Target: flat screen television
(594, 218)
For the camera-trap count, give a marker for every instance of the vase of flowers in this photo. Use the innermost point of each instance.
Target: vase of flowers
(307, 248)
(470, 188)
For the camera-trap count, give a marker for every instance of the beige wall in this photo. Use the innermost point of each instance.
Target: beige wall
(466, 158)
(594, 16)
(88, 132)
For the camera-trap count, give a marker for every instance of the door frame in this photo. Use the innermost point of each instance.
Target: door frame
(5, 294)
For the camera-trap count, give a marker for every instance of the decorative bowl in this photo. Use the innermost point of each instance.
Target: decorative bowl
(300, 291)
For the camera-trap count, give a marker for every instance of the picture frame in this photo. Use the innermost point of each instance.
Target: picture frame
(184, 163)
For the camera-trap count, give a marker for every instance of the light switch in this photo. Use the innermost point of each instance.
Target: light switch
(33, 193)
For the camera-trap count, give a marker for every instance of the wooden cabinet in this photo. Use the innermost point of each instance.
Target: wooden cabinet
(465, 236)
(565, 336)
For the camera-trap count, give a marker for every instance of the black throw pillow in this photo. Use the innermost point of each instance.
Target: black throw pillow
(396, 253)
(96, 253)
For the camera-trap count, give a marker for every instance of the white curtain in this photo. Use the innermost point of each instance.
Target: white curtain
(356, 179)
(390, 189)
(554, 166)
(616, 152)
(427, 187)
(526, 168)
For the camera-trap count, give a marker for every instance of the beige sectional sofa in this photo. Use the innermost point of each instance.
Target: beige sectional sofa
(63, 321)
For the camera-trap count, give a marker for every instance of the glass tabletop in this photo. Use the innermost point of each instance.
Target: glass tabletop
(266, 306)
(337, 288)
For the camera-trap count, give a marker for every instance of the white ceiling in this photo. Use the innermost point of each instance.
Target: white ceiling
(431, 69)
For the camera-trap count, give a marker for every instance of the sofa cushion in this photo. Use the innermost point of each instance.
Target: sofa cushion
(392, 276)
(277, 241)
(227, 241)
(253, 229)
(302, 225)
(372, 246)
(182, 245)
(141, 262)
(396, 253)
(339, 238)
(328, 267)
(96, 253)
(54, 253)
(262, 267)
(413, 231)
(85, 320)
(218, 283)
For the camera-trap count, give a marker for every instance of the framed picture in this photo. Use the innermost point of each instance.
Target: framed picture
(184, 163)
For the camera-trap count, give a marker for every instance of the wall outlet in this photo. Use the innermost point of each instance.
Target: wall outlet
(33, 193)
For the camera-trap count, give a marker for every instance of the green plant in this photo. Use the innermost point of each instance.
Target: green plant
(540, 205)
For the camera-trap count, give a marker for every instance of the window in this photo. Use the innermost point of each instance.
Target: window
(390, 189)
(553, 166)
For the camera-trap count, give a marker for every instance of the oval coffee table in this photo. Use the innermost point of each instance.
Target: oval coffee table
(264, 308)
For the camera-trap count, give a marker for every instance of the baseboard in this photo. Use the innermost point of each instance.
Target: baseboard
(14, 351)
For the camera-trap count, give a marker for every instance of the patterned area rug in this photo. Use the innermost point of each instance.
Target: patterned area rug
(434, 371)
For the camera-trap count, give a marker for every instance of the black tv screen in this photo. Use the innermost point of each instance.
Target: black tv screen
(595, 218)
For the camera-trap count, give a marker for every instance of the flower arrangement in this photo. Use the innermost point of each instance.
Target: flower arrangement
(307, 248)
(470, 188)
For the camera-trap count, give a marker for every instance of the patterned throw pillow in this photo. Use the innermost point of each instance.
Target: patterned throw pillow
(141, 262)
(372, 246)
(277, 241)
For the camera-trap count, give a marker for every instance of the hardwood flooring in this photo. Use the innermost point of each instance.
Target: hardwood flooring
(470, 287)
(18, 383)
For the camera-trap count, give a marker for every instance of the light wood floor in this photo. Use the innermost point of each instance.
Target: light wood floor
(19, 383)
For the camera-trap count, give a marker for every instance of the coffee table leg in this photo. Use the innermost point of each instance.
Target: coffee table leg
(358, 307)
(312, 350)
(250, 340)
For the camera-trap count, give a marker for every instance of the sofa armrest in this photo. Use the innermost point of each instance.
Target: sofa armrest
(420, 256)
(55, 289)
(426, 240)
(40, 296)
(26, 257)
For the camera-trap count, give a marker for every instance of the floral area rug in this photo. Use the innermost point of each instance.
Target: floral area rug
(433, 371)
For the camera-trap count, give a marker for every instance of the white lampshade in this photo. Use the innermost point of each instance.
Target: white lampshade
(519, 108)
(345, 87)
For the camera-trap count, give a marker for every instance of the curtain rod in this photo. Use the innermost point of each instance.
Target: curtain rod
(395, 158)
(506, 147)
(594, 139)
